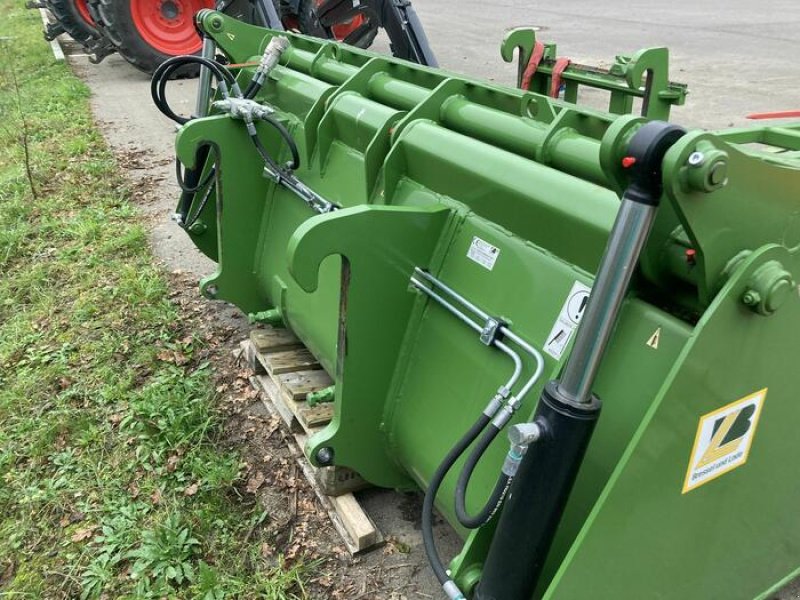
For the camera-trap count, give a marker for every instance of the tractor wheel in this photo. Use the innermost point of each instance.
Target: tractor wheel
(350, 31)
(148, 32)
(74, 17)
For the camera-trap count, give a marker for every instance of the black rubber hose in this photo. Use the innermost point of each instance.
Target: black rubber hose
(252, 89)
(192, 175)
(485, 513)
(162, 74)
(271, 164)
(190, 220)
(192, 182)
(433, 488)
(287, 137)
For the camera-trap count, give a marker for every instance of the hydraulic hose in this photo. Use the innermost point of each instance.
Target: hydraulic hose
(430, 496)
(287, 137)
(498, 493)
(161, 76)
(192, 188)
(189, 220)
(191, 184)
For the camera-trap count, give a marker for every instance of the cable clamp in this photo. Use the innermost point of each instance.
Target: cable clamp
(491, 330)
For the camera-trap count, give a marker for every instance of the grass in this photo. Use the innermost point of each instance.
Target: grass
(110, 482)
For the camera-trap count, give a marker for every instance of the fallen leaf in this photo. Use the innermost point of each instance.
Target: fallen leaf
(172, 463)
(255, 482)
(155, 497)
(83, 533)
(190, 490)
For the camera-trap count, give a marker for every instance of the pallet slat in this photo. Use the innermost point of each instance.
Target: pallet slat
(272, 339)
(314, 417)
(355, 527)
(288, 361)
(285, 377)
(301, 383)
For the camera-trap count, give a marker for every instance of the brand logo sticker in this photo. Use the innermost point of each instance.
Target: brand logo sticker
(723, 440)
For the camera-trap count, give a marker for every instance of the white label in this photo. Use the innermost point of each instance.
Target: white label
(567, 320)
(483, 253)
(723, 440)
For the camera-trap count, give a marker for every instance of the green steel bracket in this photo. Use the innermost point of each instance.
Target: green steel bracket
(239, 41)
(780, 145)
(240, 219)
(380, 246)
(644, 75)
(713, 188)
(731, 354)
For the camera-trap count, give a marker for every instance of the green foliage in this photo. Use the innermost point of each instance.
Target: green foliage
(111, 482)
(166, 553)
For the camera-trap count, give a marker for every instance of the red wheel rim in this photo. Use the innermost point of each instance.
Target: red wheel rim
(342, 30)
(83, 11)
(168, 25)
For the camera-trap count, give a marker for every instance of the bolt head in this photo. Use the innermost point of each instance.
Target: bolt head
(751, 298)
(325, 456)
(696, 159)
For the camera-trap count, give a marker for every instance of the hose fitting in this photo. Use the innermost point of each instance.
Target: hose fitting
(272, 54)
(452, 591)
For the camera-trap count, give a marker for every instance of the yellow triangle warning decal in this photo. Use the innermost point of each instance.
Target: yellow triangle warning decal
(655, 339)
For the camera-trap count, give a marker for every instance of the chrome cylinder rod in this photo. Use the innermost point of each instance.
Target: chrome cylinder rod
(628, 237)
(204, 83)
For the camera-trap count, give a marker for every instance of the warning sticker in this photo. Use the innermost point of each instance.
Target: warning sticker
(483, 253)
(723, 440)
(567, 320)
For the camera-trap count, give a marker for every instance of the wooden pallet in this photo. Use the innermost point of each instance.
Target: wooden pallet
(285, 372)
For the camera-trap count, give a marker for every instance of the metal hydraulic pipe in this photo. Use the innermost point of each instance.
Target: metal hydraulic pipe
(534, 353)
(268, 14)
(507, 411)
(451, 292)
(464, 318)
(469, 322)
(504, 329)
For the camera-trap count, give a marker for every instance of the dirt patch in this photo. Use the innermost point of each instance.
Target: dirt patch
(295, 526)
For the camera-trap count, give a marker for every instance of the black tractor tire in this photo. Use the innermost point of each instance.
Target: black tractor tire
(310, 25)
(72, 21)
(116, 22)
